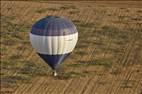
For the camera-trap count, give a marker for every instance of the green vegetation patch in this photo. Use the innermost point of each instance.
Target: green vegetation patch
(127, 83)
(12, 31)
(65, 7)
(74, 12)
(100, 62)
(46, 9)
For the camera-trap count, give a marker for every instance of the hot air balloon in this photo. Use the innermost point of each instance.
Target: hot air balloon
(53, 38)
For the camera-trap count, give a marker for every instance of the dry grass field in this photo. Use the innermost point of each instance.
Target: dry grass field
(106, 60)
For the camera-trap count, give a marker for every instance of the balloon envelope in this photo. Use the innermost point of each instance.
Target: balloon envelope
(54, 38)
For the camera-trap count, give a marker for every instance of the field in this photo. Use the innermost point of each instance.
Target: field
(106, 60)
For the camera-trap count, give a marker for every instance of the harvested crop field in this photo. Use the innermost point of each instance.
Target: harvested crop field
(106, 60)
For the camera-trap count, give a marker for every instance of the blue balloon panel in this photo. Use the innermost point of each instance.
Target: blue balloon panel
(53, 26)
(53, 60)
